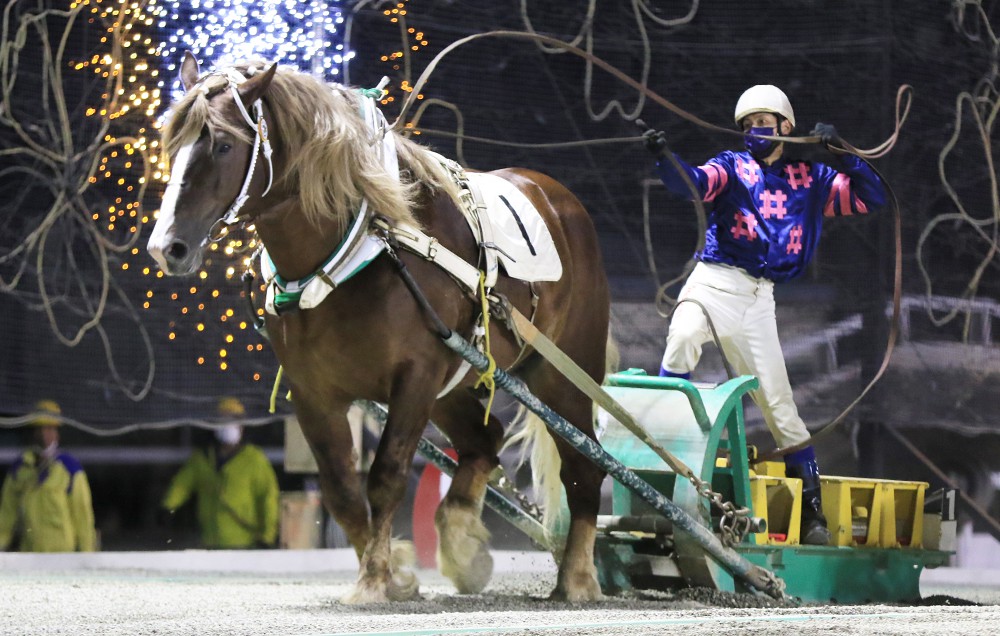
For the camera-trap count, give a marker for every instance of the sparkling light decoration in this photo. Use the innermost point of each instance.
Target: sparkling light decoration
(411, 41)
(130, 104)
(301, 34)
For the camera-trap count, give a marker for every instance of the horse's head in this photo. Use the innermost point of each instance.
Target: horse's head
(211, 137)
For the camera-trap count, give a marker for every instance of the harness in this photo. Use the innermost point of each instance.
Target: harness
(369, 234)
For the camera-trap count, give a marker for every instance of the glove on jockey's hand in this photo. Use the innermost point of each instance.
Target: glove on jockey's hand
(655, 141)
(827, 134)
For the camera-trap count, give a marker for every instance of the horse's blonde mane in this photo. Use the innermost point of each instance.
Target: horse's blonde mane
(330, 151)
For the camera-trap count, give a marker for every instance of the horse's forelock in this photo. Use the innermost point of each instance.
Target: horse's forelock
(194, 111)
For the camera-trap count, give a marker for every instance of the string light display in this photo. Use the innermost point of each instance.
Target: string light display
(305, 35)
(300, 34)
(412, 40)
(130, 102)
(147, 41)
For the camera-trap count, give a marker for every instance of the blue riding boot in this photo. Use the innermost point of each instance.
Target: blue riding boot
(664, 373)
(802, 465)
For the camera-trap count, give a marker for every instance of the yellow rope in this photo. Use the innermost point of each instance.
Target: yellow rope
(486, 377)
(274, 391)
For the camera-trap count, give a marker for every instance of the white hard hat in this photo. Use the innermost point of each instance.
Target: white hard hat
(764, 98)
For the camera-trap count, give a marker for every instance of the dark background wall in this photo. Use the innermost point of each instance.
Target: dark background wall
(839, 62)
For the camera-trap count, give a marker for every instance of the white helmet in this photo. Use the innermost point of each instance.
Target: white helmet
(764, 98)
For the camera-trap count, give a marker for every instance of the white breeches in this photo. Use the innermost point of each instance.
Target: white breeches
(742, 310)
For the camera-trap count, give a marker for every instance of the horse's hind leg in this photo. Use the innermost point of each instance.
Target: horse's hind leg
(577, 579)
(463, 541)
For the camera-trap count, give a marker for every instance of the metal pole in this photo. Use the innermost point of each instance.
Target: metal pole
(756, 576)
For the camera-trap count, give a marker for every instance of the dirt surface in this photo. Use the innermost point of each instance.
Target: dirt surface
(153, 603)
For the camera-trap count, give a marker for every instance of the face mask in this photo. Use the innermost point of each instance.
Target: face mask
(760, 148)
(50, 451)
(229, 435)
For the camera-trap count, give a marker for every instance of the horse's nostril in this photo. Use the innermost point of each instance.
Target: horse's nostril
(177, 251)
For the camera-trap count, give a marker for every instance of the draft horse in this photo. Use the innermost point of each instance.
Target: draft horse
(369, 338)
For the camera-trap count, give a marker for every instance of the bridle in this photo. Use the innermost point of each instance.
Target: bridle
(258, 124)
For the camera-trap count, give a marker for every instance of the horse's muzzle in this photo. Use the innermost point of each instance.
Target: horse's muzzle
(175, 258)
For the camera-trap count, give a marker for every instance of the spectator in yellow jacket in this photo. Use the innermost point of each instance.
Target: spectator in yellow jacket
(45, 502)
(235, 485)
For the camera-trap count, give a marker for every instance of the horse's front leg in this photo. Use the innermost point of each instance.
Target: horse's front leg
(328, 433)
(379, 579)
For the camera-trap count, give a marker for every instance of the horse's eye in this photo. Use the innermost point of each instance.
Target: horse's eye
(223, 148)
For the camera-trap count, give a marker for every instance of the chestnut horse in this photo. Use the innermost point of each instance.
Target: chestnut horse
(306, 160)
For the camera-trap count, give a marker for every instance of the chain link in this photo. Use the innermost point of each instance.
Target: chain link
(506, 485)
(734, 525)
(775, 585)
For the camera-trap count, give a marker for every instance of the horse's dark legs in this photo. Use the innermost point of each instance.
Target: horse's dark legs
(409, 409)
(329, 435)
(463, 541)
(577, 579)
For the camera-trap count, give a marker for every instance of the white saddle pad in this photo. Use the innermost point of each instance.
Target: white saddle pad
(526, 250)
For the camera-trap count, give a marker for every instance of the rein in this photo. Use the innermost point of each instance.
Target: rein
(901, 112)
(902, 108)
(904, 101)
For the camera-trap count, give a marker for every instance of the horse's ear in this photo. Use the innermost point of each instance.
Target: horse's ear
(255, 87)
(189, 70)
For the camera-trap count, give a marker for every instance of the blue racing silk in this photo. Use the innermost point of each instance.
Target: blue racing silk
(767, 219)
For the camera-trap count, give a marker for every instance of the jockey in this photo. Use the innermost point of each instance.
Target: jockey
(764, 229)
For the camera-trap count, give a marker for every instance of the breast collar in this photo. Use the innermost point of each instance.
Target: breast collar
(357, 249)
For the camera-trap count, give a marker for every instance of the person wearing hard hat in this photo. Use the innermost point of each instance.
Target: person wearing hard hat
(235, 485)
(763, 229)
(45, 503)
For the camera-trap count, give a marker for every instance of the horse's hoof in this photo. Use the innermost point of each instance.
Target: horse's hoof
(463, 553)
(473, 577)
(584, 589)
(366, 594)
(404, 586)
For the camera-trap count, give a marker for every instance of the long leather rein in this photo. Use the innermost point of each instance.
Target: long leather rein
(902, 109)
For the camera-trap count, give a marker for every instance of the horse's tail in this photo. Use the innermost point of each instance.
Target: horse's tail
(539, 448)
